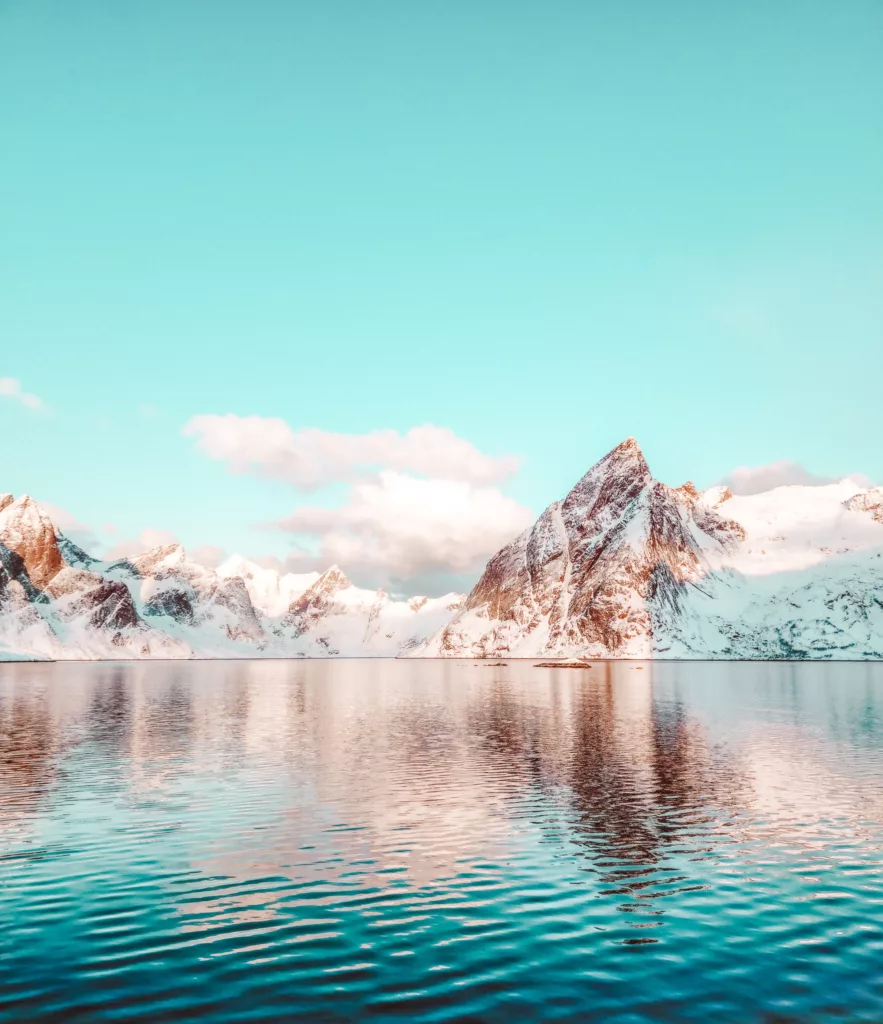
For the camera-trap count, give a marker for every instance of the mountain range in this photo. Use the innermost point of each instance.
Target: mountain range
(623, 567)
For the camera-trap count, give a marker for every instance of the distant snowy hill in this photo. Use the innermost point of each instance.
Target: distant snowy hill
(58, 602)
(627, 567)
(623, 567)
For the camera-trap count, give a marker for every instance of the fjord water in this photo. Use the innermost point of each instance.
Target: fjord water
(435, 841)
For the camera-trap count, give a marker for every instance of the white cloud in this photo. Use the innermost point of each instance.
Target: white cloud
(421, 506)
(145, 540)
(10, 387)
(783, 473)
(396, 527)
(208, 554)
(311, 458)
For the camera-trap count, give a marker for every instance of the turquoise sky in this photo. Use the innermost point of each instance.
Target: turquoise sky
(544, 226)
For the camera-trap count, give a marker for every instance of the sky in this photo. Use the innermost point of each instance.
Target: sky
(375, 283)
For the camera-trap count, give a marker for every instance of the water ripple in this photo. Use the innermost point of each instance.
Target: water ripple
(377, 840)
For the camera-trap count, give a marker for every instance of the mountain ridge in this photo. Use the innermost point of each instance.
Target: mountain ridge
(623, 566)
(626, 566)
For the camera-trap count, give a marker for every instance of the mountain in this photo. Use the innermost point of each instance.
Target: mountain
(56, 601)
(623, 567)
(628, 567)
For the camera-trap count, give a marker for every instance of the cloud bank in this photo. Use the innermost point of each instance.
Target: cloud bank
(422, 506)
(782, 473)
(399, 527)
(310, 459)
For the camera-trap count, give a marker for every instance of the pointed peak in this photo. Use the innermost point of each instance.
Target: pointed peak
(689, 488)
(29, 532)
(625, 460)
(25, 510)
(5, 499)
(148, 560)
(610, 484)
(716, 495)
(332, 580)
(627, 449)
(26, 502)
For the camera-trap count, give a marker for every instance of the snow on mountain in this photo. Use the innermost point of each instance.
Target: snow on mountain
(270, 593)
(626, 566)
(56, 601)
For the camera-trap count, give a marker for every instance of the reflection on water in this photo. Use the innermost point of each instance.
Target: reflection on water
(441, 841)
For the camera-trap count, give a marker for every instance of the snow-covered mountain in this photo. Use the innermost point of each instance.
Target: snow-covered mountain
(623, 567)
(56, 601)
(626, 566)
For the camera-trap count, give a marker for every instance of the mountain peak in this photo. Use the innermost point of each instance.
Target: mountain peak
(28, 531)
(332, 580)
(611, 483)
(630, 445)
(626, 451)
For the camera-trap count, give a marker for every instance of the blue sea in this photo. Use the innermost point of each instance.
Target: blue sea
(441, 841)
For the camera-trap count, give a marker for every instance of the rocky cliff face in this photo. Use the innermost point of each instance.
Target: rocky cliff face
(27, 531)
(625, 566)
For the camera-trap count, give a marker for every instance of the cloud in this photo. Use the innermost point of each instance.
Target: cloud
(10, 387)
(145, 540)
(208, 554)
(783, 473)
(397, 527)
(421, 507)
(311, 458)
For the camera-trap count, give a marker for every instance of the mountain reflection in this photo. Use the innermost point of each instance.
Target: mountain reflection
(415, 772)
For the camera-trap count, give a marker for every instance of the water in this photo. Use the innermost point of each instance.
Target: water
(336, 841)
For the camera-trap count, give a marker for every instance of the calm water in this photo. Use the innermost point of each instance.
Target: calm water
(351, 840)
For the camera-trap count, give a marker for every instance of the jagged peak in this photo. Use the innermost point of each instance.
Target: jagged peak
(628, 446)
(24, 505)
(29, 532)
(625, 457)
(623, 471)
(165, 550)
(5, 499)
(148, 560)
(626, 451)
(334, 577)
(715, 495)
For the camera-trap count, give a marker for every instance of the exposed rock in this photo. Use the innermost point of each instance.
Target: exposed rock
(172, 601)
(26, 530)
(625, 566)
(870, 501)
(586, 573)
(112, 606)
